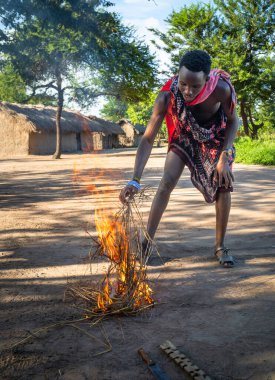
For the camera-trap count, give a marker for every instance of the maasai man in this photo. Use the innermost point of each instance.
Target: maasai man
(199, 107)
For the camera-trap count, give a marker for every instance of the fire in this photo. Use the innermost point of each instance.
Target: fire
(130, 276)
(125, 285)
(104, 299)
(112, 236)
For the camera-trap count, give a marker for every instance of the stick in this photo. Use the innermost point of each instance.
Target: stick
(180, 359)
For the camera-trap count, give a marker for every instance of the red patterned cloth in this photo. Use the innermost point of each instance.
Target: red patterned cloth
(199, 146)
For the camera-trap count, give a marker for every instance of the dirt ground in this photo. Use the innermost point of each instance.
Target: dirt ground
(222, 319)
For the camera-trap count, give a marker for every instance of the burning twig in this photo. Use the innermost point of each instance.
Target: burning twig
(124, 289)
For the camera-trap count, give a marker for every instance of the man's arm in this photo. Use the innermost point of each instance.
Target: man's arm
(147, 140)
(146, 143)
(232, 125)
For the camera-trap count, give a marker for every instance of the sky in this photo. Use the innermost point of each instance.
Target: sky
(143, 14)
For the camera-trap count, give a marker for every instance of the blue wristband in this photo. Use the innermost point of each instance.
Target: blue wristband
(134, 183)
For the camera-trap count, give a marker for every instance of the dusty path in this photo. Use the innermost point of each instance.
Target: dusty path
(224, 320)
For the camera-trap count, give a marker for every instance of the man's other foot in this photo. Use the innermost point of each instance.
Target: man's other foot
(226, 260)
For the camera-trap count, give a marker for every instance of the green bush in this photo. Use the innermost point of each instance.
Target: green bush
(250, 151)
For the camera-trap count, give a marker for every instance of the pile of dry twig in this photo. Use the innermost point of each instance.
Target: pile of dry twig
(124, 289)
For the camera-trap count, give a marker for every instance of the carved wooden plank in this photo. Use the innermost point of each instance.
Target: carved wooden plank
(180, 359)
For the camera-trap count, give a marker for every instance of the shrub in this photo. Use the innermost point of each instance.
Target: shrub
(250, 151)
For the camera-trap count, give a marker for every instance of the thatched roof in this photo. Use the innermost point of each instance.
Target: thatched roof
(121, 122)
(108, 127)
(138, 128)
(39, 118)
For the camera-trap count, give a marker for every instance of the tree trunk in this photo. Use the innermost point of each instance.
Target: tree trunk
(158, 140)
(58, 149)
(244, 118)
(255, 127)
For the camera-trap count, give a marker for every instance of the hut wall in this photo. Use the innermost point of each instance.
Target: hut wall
(42, 143)
(91, 141)
(13, 140)
(98, 141)
(45, 143)
(69, 142)
(111, 141)
(137, 139)
(127, 140)
(129, 130)
(106, 141)
(115, 141)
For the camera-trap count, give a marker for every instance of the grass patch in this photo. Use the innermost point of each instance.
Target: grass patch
(261, 152)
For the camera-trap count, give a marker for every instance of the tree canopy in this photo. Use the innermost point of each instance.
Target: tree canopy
(76, 47)
(137, 112)
(12, 86)
(114, 109)
(239, 35)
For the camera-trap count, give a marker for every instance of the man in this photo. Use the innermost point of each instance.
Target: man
(199, 107)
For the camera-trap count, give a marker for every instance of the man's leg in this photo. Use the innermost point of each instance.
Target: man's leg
(223, 205)
(172, 171)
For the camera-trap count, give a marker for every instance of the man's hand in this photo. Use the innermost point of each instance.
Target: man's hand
(223, 174)
(127, 193)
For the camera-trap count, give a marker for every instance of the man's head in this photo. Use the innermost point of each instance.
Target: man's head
(193, 73)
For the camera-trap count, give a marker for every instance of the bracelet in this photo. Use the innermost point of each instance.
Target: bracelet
(135, 184)
(136, 179)
(228, 152)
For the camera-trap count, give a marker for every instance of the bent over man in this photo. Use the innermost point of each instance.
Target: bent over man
(199, 107)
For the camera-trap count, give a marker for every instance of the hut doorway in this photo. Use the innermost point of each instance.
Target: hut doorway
(78, 141)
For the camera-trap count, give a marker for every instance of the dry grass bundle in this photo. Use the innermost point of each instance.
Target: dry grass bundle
(124, 289)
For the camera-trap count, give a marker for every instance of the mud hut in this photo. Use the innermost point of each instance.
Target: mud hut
(133, 133)
(139, 132)
(29, 129)
(112, 133)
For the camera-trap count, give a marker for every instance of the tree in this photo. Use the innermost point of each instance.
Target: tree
(72, 46)
(12, 87)
(128, 72)
(239, 35)
(137, 112)
(140, 113)
(114, 109)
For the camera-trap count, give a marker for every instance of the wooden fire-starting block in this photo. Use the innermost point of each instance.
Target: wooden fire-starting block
(179, 358)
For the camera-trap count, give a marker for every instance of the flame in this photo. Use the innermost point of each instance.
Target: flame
(129, 279)
(104, 298)
(143, 292)
(113, 238)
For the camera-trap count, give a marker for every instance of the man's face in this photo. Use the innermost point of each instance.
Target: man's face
(191, 83)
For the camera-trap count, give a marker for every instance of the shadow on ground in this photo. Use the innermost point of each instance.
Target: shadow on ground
(222, 319)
